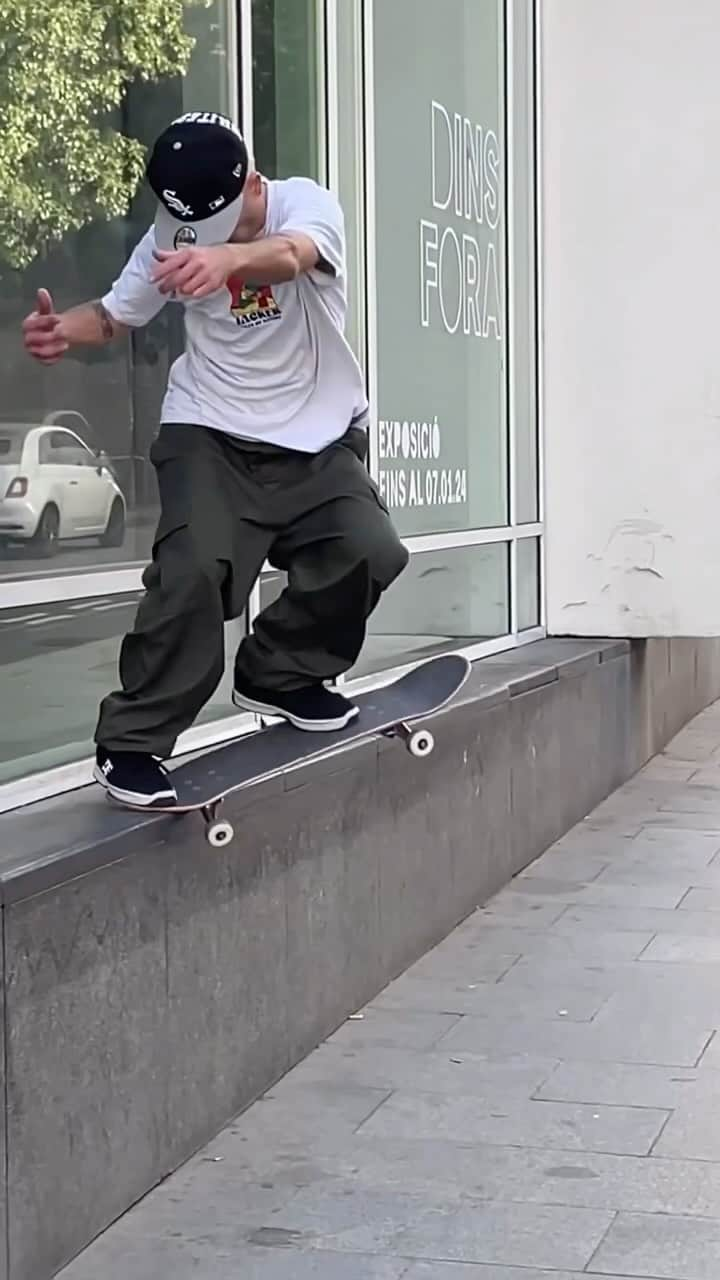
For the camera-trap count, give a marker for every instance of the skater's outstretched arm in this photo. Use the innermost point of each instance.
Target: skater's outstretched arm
(132, 302)
(48, 335)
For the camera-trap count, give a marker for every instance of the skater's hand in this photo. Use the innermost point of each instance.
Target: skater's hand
(42, 331)
(193, 273)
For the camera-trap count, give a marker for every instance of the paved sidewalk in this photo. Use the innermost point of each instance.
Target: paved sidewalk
(537, 1099)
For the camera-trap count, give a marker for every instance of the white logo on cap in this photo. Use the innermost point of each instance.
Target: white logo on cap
(217, 204)
(204, 117)
(173, 202)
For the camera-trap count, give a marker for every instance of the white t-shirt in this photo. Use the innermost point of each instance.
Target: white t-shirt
(268, 363)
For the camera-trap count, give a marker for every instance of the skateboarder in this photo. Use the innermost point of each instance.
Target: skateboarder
(260, 453)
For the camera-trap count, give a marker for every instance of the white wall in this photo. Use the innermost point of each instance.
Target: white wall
(631, 300)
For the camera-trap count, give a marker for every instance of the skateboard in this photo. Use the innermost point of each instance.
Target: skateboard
(203, 783)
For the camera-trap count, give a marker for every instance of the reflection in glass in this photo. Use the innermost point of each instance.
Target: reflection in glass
(442, 459)
(528, 583)
(73, 239)
(285, 88)
(444, 599)
(56, 663)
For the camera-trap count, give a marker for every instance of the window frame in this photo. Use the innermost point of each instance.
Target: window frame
(74, 585)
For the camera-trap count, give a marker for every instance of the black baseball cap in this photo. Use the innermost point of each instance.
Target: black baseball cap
(197, 170)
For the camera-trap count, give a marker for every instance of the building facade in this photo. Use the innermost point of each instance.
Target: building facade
(532, 206)
(422, 119)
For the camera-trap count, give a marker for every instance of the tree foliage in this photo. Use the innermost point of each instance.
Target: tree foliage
(65, 66)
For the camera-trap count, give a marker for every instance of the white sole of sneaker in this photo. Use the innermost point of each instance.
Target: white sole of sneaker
(136, 798)
(310, 726)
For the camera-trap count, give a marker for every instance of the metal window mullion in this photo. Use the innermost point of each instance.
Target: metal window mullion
(360, 171)
(20, 593)
(510, 307)
(418, 543)
(370, 229)
(536, 186)
(233, 61)
(328, 90)
(246, 73)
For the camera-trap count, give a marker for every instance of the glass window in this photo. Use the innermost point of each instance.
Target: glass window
(449, 598)
(56, 663)
(528, 584)
(346, 128)
(57, 447)
(11, 443)
(286, 88)
(77, 491)
(440, 253)
(72, 217)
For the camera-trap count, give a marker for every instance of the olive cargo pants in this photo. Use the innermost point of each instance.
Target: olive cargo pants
(227, 506)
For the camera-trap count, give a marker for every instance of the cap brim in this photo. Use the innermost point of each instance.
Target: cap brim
(215, 230)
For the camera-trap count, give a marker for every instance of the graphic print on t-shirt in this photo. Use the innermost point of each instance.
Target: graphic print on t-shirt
(252, 305)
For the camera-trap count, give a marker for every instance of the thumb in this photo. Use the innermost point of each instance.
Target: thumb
(45, 305)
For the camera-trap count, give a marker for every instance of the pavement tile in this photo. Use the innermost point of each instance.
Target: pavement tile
(565, 864)
(621, 1084)
(149, 1258)
(338, 1109)
(708, 823)
(710, 1060)
(677, 950)
(622, 1130)
(680, 982)
(465, 1271)
(693, 1130)
(355, 1220)
(683, 921)
(702, 900)
(411, 1029)
(666, 843)
(692, 799)
(442, 963)
(646, 873)
(520, 909)
(490, 938)
(456, 1172)
(611, 1037)
(484, 999)
(666, 1247)
(494, 1076)
(602, 893)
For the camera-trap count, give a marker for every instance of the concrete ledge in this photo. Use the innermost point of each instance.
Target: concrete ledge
(154, 988)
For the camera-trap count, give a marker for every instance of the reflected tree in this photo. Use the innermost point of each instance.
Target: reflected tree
(65, 67)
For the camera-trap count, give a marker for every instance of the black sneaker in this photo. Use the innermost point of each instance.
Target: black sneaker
(313, 708)
(132, 777)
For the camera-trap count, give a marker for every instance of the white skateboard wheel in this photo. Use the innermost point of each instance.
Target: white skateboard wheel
(420, 743)
(219, 834)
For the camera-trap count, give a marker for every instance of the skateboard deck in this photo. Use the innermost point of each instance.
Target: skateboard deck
(203, 783)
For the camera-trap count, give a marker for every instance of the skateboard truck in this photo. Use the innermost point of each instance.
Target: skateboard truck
(218, 831)
(419, 742)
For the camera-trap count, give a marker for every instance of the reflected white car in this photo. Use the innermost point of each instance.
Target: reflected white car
(53, 487)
